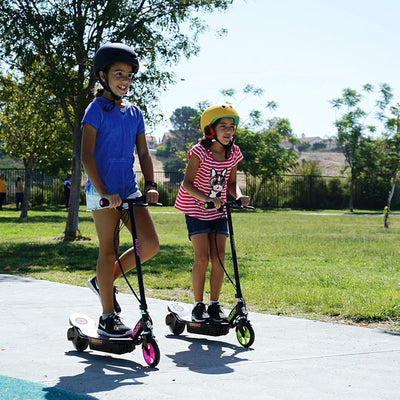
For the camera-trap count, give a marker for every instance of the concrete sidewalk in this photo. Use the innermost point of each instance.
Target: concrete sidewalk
(290, 359)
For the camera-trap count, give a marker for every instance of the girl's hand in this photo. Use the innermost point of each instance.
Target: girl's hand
(113, 198)
(218, 202)
(244, 200)
(152, 196)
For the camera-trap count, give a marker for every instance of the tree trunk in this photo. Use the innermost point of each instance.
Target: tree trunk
(29, 167)
(351, 199)
(387, 208)
(72, 226)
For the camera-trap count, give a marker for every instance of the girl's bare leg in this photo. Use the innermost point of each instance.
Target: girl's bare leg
(201, 254)
(105, 222)
(148, 241)
(216, 273)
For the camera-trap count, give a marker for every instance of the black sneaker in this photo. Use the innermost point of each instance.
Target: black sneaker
(92, 284)
(113, 327)
(199, 313)
(216, 313)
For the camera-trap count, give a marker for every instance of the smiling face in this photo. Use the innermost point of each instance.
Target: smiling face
(119, 78)
(224, 130)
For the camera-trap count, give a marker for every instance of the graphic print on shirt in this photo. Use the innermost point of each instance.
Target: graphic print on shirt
(217, 182)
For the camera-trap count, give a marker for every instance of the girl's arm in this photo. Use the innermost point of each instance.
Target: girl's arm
(88, 145)
(146, 165)
(234, 189)
(188, 183)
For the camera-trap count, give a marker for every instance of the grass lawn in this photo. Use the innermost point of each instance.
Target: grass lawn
(310, 264)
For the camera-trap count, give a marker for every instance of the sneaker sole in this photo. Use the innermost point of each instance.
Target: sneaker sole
(93, 289)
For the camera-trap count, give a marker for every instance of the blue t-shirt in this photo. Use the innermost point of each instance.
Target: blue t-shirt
(115, 144)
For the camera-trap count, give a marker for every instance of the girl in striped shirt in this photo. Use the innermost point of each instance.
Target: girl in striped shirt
(210, 173)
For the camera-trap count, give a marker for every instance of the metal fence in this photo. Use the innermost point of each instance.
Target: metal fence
(289, 191)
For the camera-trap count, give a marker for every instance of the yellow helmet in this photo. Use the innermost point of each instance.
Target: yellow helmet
(214, 113)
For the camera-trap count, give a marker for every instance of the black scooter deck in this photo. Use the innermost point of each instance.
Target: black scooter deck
(181, 313)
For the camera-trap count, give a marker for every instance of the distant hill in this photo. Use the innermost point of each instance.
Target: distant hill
(331, 162)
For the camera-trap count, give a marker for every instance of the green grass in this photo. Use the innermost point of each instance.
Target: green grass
(291, 263)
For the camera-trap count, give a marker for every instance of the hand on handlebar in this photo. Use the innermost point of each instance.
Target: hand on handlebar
(244, 200)
(152, 196)
(114, 200)
(218, 202)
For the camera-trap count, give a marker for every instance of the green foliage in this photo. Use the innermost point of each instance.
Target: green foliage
(54, 41)
(352, 127)
(32, 126)
(187, 130)
(308, 168)
(264, 154)
(318, 146)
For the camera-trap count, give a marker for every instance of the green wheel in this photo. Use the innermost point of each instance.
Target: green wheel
(245, 334)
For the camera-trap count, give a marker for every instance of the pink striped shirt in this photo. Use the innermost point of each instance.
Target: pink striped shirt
(211, 178)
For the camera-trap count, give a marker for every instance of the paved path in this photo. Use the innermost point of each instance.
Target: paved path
(290, 359)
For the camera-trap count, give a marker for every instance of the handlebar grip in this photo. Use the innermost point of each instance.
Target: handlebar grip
(104, 202)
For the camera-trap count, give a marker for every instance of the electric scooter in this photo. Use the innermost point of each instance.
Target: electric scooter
(179, 315)
(83, 330)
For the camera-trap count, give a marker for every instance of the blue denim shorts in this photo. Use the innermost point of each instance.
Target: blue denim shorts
(196, 226)
(93, 198)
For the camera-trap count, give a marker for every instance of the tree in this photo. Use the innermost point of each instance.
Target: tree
(393, 125)
(62, 37)
(255, 119)
(186, 130)
(352, 127)
(264, 155)
(32, 129)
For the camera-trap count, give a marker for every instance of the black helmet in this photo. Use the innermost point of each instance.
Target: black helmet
(114, 52)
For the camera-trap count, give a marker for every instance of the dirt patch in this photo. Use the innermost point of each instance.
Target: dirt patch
(331, 163)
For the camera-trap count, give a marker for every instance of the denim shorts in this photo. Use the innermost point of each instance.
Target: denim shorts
(196, 226)
(93, 198)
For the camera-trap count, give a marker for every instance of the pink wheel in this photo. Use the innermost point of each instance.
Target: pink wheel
(151, 352)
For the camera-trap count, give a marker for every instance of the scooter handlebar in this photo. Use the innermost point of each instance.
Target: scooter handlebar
(138, 202)
(233, 204)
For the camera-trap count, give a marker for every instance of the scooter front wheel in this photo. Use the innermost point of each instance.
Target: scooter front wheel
(245, 334)
(151, 352)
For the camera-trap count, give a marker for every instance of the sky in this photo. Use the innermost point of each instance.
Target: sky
(302, 53)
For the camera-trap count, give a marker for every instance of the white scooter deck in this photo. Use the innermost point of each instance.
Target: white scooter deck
(88, 327)
(182, 310)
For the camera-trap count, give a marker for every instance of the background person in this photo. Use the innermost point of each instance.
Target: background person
(67, 190)
(3, 190)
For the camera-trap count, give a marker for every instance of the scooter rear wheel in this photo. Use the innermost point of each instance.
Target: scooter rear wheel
(174, 325)
(80, 344)
(245, 334)
(151, 352)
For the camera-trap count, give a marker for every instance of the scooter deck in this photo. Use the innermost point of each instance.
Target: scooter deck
(86, 328)
(182, 313)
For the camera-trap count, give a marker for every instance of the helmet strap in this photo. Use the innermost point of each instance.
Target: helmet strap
(227, 147)
(106, 86)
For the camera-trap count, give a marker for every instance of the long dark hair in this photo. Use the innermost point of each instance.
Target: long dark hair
(207, 142)
(99, 91)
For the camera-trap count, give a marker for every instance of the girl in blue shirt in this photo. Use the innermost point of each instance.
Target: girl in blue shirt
(111, 128)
